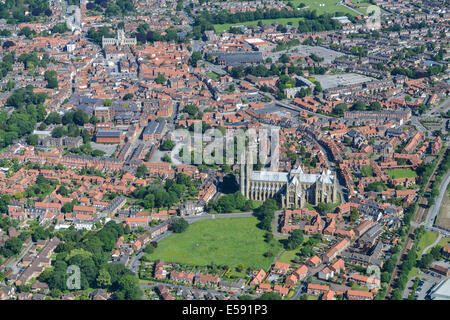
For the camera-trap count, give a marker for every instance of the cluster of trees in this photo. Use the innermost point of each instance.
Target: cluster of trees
(428, 258)
(96, 34)
(28, 110)
(144, 34)
(42, 188)
(275, 70)
(407, 264)
(90, 251)
(112, 8)
(52, 79)
(11, 247)
(179, 225)
(167, 145)
(31, 60)
(295, 240)
(266, 213)
(310, 20)
(60, 28)
(443, 168)
(71, 122)
(362, 106)
(158, 195)
(14, 11)
(231, 202)
(415, 74)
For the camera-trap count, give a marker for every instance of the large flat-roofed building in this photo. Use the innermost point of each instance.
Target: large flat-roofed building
(295, 188)
(441, 291)
(239, 58)
(154, 131)
(108, 136)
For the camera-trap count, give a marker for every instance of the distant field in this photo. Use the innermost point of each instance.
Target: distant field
(228, 242)
(401, 173)
(330, 6)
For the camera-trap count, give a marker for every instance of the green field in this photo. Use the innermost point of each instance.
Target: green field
(444, 242)
(288, 256)
(228, 242)
(427, 239)
(330, 6)
(401, 173)
(213, 75)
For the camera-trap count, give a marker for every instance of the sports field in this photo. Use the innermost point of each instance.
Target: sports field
(323, 6)
(228, 242)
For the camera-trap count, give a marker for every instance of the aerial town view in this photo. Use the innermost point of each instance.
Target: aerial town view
(224, 150)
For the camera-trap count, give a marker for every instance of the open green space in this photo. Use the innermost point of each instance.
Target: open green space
(228, 242)
(444, 242)
(324, 6)
(427, 239)
(401, 173)
(213, 75)
(288, 256)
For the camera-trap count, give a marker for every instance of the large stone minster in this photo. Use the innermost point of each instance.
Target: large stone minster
(295, 188)
(120, 41)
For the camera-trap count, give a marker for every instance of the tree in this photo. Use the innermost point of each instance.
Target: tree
(196, 56)
(104, 279)
(128, 96)
(161, 79)
(129, 288)
(149, 249)
(295, 240)
(53, 118)
(354, 215)
(270, 296)
(367, 171)
(359, 106)
(167, 145)
(180, 225)
(426, 260)
(191, 109)
(52, 79)
(12, 246)
(141, 171)
(32, 139)
(166, 158)
(63, 191)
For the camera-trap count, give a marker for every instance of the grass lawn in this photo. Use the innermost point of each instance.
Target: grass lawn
(288, 256)
(413, 273)
(330, 6)
(213, 75)
(401, 173)
(312, 297)
(444, 242)
(228, 242)
(428, 238)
